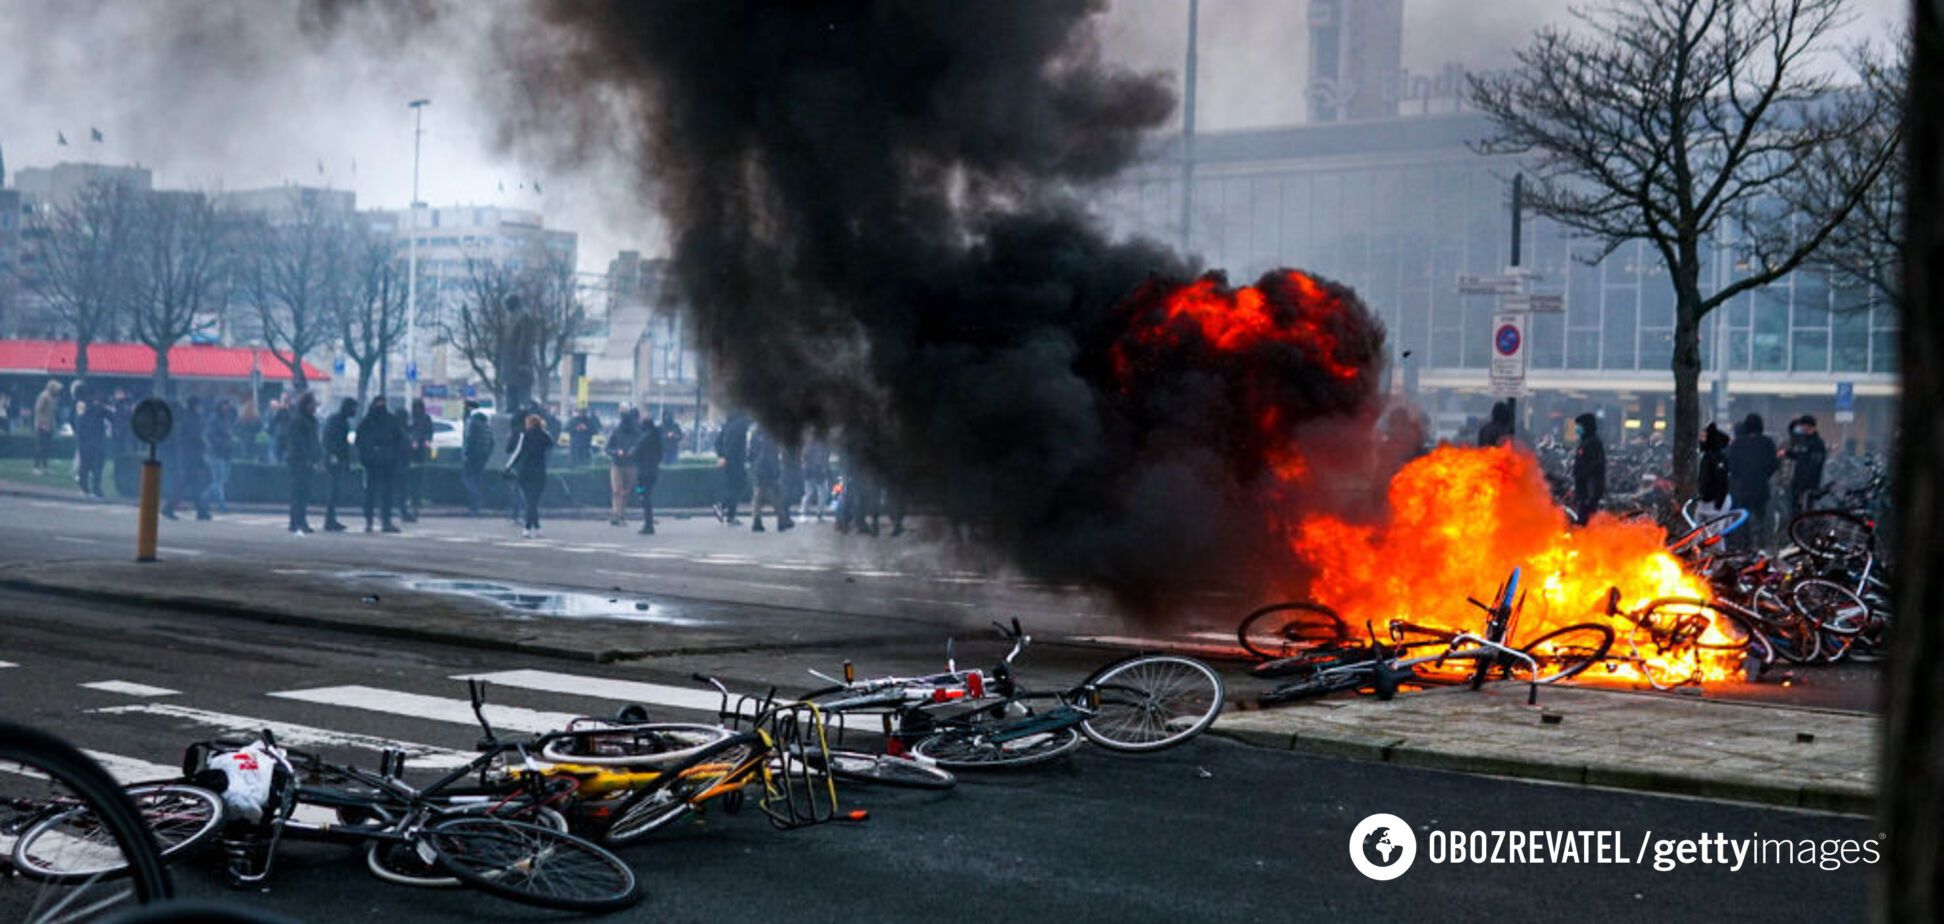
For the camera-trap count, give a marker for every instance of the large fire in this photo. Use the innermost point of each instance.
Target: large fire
(1459, 520)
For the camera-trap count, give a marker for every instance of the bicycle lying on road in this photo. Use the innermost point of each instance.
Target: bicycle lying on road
(985, 719)
(1420, 654)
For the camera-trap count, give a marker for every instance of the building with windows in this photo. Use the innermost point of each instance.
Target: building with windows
(1398, 208)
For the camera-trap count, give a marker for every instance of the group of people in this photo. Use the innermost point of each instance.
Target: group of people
(782, 479)
(389, 447)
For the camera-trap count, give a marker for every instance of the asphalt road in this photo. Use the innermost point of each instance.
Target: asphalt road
(1212, 831)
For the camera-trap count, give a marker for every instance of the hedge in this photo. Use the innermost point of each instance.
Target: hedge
(257, 482)
(18, 445)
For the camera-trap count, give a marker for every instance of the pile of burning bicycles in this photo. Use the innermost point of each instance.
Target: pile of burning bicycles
(1823, 597)
(536, 819)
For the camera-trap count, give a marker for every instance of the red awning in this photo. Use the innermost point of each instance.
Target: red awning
(56, 357)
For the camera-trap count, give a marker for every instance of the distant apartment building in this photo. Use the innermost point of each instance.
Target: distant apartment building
(56, 186)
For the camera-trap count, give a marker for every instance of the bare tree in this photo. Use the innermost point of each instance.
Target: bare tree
(514, 324)
(1864, 251)
(177, 261)
(296, 273)
(82, 276)
(1678, 122)
(1912, 806)
(373, 319)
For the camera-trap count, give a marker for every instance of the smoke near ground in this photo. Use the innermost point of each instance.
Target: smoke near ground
(877, 214)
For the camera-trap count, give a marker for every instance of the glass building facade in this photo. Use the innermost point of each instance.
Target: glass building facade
(1398, 209)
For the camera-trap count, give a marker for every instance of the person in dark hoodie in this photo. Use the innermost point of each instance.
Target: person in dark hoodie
(380, 447)
(91, 436)
(1712, 494)
(191, 468)
(647, 458)
(1589, 468)
(1498, 429)
(1807, 453)
(302, 453)
(526, 462)
(337, 460)
(1751, 463)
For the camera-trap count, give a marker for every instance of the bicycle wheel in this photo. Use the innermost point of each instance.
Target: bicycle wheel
(532, 864)
(1564, 653)
(1320, 683)
(178, 818)
(1832, 534)
(90, 850)
(402, 864)
(719, 770)
(1282, 630)
(640, 746)
(889, 770)
(972, 748)
(1664, 666)
(1150, 702)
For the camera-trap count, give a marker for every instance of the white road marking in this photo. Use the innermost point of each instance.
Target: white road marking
(301, 736)
(77, 539)
(875, 574)
(129, 689)
(456, 538)
(123, 769)
(654, 554)
(775, 566)
(7, 664)
(634, 691)
(434, 708)
(169, 550)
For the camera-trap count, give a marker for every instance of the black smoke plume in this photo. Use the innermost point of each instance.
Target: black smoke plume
(877, 215)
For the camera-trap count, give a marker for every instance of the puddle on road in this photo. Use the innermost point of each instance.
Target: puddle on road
(543, 601)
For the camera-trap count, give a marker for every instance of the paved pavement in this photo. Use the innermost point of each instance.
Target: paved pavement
(1211, 831)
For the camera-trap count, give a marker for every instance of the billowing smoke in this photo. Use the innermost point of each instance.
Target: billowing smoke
(878, 216)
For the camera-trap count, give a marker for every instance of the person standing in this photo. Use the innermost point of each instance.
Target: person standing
(647, 456)
(279, 425)
(671, 438)
(122, 425)
(1497, 430)
(91, 438)
(580, 437)
(419, 434)
(767, 465)
(249, 426)
(732, 455)
(1712, 494)
(380, 445)
(1751, 463)
(302, 453)
(220, 437)
(188, 459)
(816, 477)
(6, 411)
(527, 462)
(1589, 468)
(46, 419)
(621, 467)
(1806, 454)
(337, 457)
(476, 446)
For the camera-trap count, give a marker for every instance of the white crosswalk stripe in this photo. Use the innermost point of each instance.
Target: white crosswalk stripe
(293, 735)
(434, 708)
(634, 691)
(127, 688)
(7, 664)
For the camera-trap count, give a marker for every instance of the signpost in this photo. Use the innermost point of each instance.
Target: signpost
(1845, 402)
(151, 422)
(1508, 355)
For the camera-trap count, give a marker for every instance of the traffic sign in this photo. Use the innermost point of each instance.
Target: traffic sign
(411, 372)
(1475, 284)
(435, 391)
(1846, 396)
(1536, 302)
(1508, 370)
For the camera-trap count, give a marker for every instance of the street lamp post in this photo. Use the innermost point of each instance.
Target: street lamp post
(411, 260)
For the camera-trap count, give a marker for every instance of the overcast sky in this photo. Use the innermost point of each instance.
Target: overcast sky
(237, 95)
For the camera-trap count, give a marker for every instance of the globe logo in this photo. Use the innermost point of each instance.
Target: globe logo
(1382, 847)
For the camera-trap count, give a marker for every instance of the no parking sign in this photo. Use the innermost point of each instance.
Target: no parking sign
(1508, 355)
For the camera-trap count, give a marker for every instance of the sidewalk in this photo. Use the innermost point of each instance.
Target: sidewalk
(376, 604)
(1743, 752)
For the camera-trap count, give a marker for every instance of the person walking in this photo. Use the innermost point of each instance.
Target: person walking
(1806, 454)
(189, 460)
(220, 437)
(580, 437)
(1589, 468)
(303, 453)
(337, 456)
(766, 462)
(476, 446)
(419, 441)
(1498, 429)
(1712, 494)
(249, 426)
(526, 462)
(122, 425)
(6, 411)
(91, 439)
(647, 456)
(671, 438)
(732, 455)
(380, 446)
(279, 425)
(621, 467)
(1752, 461)
(46, 419)
(816, 477)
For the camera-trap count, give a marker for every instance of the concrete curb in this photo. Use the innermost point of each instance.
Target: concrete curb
(1855, 800)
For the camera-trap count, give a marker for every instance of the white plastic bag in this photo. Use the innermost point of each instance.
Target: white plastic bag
(248, 773)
